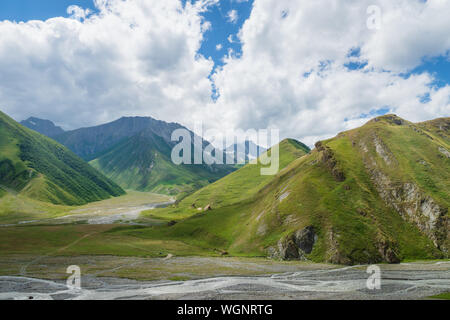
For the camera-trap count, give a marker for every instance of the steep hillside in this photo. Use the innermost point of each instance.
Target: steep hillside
(89, 143)
(136, 153)
(35, 166)
(45, 127)
(143, 162)
(240, 185)
(379, 193)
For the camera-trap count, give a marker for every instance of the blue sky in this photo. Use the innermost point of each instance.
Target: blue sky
(222, 28)
(440, 67)
(24, 10)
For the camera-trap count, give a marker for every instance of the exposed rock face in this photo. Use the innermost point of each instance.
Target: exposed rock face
(295, 246)
(305, 239)
(414, 206)
(334, 254)
(391, 118)
(388, 250)
(383, 151)
(409, 201)
(327, 157)
(444, 152)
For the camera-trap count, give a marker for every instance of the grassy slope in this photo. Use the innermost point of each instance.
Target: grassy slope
(17, 208)
(236, 187)
(107, 240)
(351, 209)
(35, 166)
(442, 296)
(143, 163)
(350, 217)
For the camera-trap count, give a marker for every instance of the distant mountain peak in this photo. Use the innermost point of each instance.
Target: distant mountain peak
(45, 127)
(245, 151)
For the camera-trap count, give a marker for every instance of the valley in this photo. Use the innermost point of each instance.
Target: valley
(115, 278)
(225, 150)
(377, 194)
(125, 209)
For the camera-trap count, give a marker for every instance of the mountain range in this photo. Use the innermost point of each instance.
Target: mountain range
(378, 193)
(46, 127)
(245, 151)
(135, 152)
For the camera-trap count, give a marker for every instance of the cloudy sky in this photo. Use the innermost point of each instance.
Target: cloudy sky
(309, 68)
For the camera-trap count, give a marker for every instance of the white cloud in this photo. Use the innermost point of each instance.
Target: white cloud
(77, 12)
(219, 47)
(135, 57)
(278, 81)
(232, 16)
(139, 57)
(410, 30)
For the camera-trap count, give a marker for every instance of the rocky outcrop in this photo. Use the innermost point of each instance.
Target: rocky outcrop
(409, 201)
(414, 206)
(383, 151)
(334, 254)
(295, 246)
(388, 250)
(444, 152)
(305, 239)
(390, 118)
(328, 158)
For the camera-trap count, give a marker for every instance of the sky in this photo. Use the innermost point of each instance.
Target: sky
(308, 68)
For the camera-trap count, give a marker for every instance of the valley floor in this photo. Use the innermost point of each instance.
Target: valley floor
(124, 209)
(216, 278)
(35, 255)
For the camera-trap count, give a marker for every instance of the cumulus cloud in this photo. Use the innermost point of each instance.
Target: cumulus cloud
(135, 57)
(232, 16)
(293, 73)
(410, 31)
(77, 12)
(140, 57)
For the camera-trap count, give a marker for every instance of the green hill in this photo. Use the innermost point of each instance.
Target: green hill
(135, 152)
(35, 166)
(143, 162)
(379, 193)
(240, 185)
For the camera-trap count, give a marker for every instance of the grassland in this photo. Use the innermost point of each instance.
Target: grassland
(144, 269)
(238, 186)
(18, 208)
(37, 167)
(442, 296)
(333, 190)
(143, 162)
